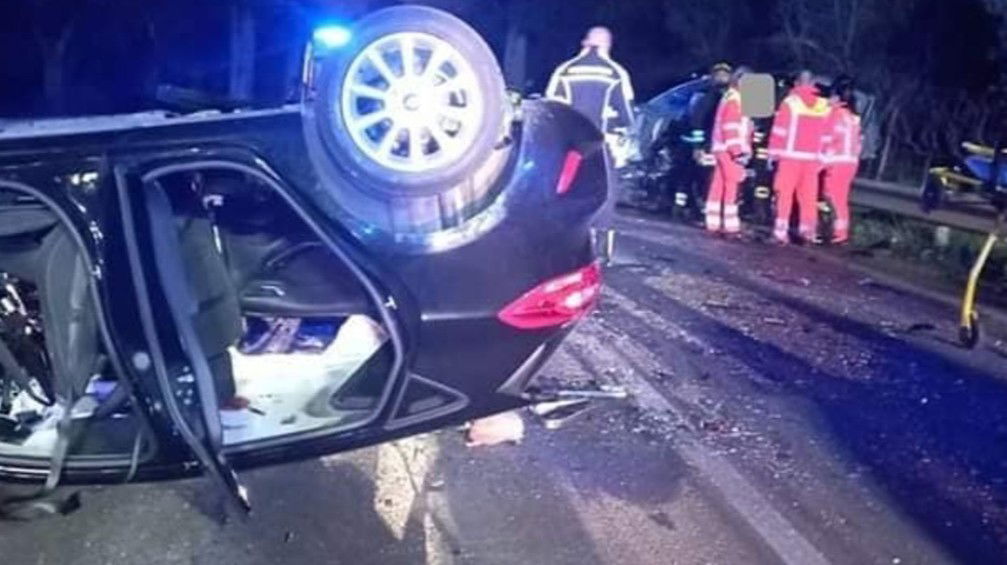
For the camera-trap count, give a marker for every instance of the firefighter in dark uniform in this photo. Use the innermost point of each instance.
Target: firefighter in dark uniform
(690, 194)
(600, 89)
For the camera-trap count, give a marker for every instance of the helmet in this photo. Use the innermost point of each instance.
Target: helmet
(721, 67)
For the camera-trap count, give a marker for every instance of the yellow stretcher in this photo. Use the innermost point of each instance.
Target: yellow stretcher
(989, 166)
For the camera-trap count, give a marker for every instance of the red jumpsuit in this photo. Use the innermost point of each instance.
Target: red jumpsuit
(731, 140)
(797, 143)
(842, 159)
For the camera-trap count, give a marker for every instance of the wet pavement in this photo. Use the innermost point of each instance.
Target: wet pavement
(785, 409)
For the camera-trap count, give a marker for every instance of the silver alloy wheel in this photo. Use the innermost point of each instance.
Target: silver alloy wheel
(411, 102)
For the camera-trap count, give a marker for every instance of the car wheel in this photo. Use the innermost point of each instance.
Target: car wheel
(413, 104)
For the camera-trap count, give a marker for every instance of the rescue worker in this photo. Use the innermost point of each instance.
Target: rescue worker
(796, 150)
(695, 178)
(842, 155)
(600, 89)
(732, 149)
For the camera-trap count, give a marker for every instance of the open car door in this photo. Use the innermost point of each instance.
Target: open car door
(197, 421)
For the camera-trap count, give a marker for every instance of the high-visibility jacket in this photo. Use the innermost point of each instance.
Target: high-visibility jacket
(597, 87)
(844, 139)
(800, 127)
(732, 130)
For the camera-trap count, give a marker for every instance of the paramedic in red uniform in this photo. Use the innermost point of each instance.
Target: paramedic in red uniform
(796, 147)
(732, 150)
(842, 155)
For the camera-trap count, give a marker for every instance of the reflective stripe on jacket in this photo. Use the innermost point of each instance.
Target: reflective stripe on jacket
(844, 136)
(596, 86)
(732, 130)
(800, 128)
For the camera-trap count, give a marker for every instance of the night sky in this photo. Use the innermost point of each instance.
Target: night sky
(118, 51)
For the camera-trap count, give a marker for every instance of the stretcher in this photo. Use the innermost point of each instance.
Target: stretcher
(985, 175)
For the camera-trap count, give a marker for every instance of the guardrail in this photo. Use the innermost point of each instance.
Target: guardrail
(965, 212)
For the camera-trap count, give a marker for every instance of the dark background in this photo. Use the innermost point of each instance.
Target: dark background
(108, 55)
(937, 67)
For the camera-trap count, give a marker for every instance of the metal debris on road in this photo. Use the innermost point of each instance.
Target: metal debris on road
(801, 281)
(721, 305)
(556, 414)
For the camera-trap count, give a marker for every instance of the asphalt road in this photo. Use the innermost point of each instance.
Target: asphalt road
(785, 409)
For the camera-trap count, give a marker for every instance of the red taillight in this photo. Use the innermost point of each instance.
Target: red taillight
(571, 164)
(555, 302)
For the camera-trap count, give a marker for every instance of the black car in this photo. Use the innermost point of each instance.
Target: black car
(399, 252)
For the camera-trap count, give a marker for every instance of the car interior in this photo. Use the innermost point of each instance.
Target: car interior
(289, 333)
(50, 349)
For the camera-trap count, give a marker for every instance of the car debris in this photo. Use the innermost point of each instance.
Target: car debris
(607, 392)
(557, 413)
(555, 408)
(800, 281)
(920, 327)
(719, 305)
(504, 428)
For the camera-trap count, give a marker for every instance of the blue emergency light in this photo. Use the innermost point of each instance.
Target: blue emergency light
(333, 36)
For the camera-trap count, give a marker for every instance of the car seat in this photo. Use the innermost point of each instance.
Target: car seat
(217, 321)
(279, 266)
(42, 252)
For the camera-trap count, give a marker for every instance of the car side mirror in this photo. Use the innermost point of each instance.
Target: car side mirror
(758, 95)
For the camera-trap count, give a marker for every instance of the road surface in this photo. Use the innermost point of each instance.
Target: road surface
(785, 409)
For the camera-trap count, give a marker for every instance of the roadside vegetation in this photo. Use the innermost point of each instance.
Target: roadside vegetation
(944, 255)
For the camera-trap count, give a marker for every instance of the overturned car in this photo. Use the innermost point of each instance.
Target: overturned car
(400, 252)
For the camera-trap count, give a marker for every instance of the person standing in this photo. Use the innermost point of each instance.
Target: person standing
(732, 150)
(796, 149)
(703, 105)
(702, 111)
(842, 154)
(601, 89)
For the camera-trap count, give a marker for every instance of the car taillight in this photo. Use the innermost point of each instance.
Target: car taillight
(555, 302)
(571, 164)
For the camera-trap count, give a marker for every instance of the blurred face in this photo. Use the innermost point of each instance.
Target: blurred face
(805, 79)
(721, 78)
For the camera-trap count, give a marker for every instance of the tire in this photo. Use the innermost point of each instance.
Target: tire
(437, 125)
